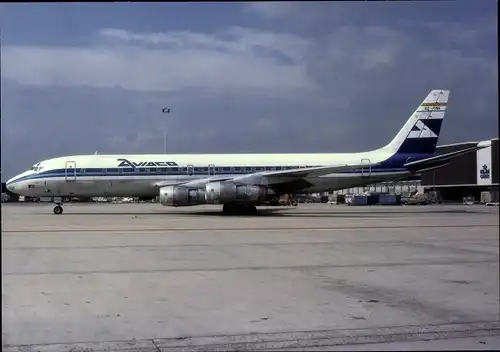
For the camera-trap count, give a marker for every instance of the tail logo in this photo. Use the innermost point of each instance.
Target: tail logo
(420, 130)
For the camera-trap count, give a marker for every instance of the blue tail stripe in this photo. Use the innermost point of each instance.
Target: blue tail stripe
(418, 146)
(434, 125)
(422, 145)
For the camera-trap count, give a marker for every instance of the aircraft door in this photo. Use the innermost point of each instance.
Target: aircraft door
(190, 170)
(70, 171)
(211, 169)
(366, 168)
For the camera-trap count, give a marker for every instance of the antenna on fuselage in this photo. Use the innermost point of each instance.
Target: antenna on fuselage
(96, 152)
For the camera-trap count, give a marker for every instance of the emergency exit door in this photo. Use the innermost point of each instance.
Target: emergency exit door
(70, 172)
(366, 168)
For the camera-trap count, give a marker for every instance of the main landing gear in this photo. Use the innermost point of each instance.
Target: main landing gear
(239, 209)
(58, 209)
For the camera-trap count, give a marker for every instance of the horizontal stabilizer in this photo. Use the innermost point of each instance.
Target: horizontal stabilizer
(443, 159)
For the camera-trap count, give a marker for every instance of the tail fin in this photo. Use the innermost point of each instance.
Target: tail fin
(421, 132)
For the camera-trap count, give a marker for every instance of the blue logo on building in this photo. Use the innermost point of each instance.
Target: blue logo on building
(484, 173)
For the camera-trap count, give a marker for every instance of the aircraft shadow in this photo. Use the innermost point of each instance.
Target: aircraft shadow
(318, 214)
(284, 213)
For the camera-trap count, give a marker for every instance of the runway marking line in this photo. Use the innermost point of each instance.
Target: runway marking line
(280, 340)
(320, 228)
(254, 268)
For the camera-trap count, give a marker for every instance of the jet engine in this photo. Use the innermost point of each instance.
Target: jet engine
(178, 196)
(229, 192)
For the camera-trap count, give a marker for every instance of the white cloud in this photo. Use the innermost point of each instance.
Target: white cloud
(236, 40)
(233, 59)
(226, 61)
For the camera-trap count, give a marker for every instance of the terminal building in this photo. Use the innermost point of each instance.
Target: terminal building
(465, 176)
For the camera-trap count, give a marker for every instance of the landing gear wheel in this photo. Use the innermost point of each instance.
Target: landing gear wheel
(58, 210)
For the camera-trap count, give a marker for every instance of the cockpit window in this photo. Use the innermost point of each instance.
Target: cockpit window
(36, 167)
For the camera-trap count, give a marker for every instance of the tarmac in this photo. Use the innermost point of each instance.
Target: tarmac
(143, 277)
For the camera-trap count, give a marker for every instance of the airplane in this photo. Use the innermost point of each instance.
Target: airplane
(240, 182)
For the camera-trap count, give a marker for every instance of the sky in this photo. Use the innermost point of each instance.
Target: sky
(239, 77)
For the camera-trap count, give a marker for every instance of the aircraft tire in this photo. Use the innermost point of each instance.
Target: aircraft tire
(58, 210)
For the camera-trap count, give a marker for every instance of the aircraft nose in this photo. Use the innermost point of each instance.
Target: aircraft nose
(11, 186)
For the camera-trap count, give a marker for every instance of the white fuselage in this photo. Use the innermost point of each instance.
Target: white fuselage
(140, 175)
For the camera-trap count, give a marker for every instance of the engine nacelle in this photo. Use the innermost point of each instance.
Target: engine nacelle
(177, 196)
(229, 192)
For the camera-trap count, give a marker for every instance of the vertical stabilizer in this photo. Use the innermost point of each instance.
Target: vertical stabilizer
(421, 132)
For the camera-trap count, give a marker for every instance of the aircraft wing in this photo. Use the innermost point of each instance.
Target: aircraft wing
(443, 159)
(194, 183)
(268, 178)
(281, 176)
